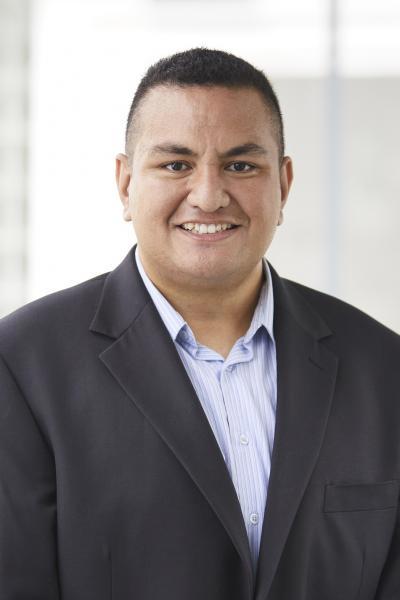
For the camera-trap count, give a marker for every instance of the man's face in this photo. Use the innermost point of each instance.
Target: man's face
(203, 158)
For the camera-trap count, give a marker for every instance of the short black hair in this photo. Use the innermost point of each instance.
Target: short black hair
(206, 67)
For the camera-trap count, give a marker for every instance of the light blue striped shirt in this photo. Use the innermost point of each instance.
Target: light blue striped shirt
(238, 396)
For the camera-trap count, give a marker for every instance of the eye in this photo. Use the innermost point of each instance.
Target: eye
(240, 167)
(176, 166)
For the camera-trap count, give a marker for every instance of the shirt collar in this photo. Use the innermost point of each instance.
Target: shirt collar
(264, 312)
(175, 323)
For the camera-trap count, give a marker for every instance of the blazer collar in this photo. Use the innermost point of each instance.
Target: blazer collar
(289, 300)
(124, 295)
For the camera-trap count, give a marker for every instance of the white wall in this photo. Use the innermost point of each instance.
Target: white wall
(87, 58)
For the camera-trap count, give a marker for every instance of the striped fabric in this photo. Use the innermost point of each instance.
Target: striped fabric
(238, 396)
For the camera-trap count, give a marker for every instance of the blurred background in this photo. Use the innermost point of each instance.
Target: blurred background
(69, 69)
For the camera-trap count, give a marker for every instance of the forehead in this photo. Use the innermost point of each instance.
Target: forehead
(227, 115)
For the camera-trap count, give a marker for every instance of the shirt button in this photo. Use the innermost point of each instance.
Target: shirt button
(254, 518)
(244, 440)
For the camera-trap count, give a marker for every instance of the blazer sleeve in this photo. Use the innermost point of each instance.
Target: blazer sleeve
(28, 560)
(389, 584)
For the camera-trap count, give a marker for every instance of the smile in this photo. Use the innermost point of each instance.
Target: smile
(210, 228)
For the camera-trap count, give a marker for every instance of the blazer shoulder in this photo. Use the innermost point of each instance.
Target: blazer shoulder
(60, 309)
(342, 317)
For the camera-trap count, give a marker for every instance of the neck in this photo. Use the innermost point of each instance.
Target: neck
(217, 315)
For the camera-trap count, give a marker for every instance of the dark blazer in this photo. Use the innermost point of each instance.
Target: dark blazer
(112, 485)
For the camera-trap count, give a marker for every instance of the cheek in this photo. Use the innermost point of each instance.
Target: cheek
(271, 200)
(153, 203)
(262, 210)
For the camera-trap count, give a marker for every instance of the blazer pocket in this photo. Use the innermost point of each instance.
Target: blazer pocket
(361, 496)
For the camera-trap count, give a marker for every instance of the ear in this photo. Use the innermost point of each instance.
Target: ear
(123, 179)
(286, 178)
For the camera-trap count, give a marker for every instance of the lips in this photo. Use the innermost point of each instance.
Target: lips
(206, 228)
(208, 232)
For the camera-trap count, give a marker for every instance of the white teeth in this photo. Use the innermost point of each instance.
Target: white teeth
(204, 228)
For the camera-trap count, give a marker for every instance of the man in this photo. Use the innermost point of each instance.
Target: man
(191, 426)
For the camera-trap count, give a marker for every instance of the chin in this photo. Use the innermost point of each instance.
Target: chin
(205, 272)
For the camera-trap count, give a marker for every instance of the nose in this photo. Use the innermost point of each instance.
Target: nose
(207, 191)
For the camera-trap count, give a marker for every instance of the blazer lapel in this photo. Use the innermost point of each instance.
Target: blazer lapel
(144, 361)
(306, 380)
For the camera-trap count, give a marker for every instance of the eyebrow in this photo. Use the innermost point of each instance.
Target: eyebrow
(171, 148)
(250, 148)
